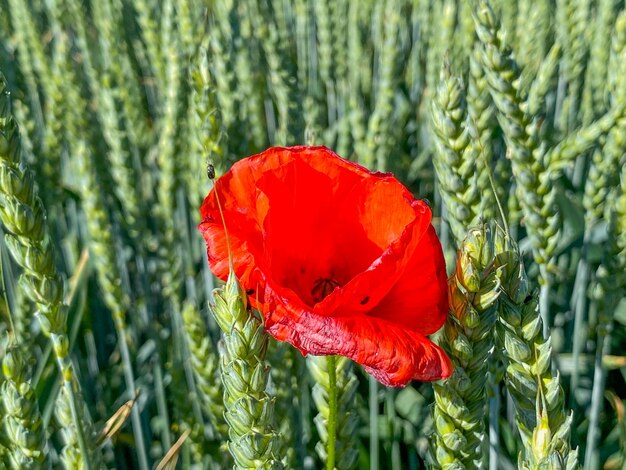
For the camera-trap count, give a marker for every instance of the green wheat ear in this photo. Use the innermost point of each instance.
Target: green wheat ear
(27, 239)
(204, 362)
(455, 159)
(249, 409)
(461, 401)
(22, 420)
(253, 442)
(543, 423)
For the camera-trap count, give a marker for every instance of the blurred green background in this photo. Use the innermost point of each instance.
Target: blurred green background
(121, 104)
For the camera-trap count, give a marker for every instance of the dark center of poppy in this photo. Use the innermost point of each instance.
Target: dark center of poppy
(322, 287)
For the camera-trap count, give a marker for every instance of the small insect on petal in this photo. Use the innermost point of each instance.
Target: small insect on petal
(210, 171)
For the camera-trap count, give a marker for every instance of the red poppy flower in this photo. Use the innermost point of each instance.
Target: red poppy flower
(339, 260)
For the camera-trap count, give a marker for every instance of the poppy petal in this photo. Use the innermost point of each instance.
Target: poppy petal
(419, 298)
(391, 353)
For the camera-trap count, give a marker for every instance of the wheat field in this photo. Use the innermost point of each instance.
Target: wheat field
(119, 346)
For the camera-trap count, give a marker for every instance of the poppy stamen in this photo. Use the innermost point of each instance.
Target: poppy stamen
(322, 288)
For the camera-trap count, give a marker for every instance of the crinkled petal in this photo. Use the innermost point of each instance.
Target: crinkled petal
(393, 354)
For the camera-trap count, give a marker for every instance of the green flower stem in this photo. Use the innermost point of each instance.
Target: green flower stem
(332, 415)
(373, 409)
(342, 414)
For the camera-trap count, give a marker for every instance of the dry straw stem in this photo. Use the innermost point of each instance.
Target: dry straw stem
(253, 442)
(26, 236)
(460, 402)
(538, 397)
(455, 159)
(22, 420)
(346, 452)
